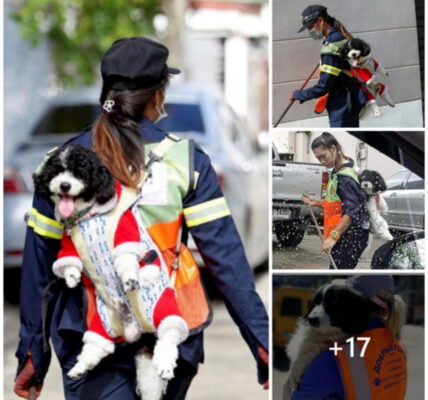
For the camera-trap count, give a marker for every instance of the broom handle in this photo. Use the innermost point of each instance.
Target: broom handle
(292, 101)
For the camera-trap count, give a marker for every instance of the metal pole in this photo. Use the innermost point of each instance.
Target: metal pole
(292, 101)
(321, 236)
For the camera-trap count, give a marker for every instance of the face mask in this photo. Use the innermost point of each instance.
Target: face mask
(314, 34)
(162, 114)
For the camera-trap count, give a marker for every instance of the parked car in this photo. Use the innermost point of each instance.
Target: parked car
(290, 179)
(404, 252)
(197, 113)
(406, 199)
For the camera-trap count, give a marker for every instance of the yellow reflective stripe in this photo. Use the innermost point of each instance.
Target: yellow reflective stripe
(206, 212)
(44, 226)
(329, 69)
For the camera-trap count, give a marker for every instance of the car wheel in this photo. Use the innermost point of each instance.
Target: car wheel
(290, 233)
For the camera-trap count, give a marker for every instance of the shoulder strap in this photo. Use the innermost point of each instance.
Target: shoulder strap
(333, 47)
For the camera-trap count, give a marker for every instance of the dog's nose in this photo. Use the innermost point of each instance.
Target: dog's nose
(65, 186)
(314, 321)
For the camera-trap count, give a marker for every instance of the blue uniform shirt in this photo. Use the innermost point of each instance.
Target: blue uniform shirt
(218, 243)
(346, 96)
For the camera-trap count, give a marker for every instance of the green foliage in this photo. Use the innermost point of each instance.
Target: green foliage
(80, 31)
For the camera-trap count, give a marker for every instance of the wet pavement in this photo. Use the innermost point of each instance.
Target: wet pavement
(308, 255)
(229, 370)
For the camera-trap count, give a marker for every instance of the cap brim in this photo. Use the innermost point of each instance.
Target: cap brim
(303, 28)
(173, 71)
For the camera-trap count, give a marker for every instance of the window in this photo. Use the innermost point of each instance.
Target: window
(415, 182)
(397, 180)
(67, 119)
(183, 118)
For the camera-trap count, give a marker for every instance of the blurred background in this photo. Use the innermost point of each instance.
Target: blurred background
(51, 89)
(393, 28)
(291, 295)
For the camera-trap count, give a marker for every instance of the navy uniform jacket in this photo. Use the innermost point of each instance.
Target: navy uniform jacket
(220, 247)
(348, 249)
(346, 97)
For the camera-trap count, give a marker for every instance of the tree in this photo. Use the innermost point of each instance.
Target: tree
(80, 31)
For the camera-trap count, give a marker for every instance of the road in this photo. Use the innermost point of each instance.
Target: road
(413, 342)
(308, 255)
(229, 370)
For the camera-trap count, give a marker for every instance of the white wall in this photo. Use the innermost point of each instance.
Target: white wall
(389, 26)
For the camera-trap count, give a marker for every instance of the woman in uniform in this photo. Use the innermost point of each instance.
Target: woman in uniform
(346, 221)
(336, 89)
(125, 136)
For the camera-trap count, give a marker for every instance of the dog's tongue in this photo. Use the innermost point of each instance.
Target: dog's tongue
(66, 206)
(355, 62)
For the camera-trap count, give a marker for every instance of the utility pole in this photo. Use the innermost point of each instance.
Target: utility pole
(174, 39)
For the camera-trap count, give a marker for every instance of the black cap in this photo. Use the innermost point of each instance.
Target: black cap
(311, 14)
(135, 63)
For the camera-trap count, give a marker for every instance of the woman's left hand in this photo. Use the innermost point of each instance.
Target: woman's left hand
(328, 244)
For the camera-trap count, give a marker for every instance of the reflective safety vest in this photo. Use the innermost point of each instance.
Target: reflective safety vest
(331, 48)
(380, 375)
(332, 202)
(160, 212)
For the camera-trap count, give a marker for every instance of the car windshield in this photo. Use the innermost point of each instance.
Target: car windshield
(68, 119)
(183, 118)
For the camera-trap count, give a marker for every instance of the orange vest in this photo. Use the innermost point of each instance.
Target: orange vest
(332, 202)
(380, 375)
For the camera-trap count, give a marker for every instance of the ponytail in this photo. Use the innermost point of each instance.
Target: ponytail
(116, 135)
(396, 313)
(338, 25)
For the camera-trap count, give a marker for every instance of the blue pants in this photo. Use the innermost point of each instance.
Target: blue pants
(107, 383)
(349, 248)
(344, 107)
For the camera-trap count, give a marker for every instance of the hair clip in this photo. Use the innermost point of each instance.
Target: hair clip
(108, 107)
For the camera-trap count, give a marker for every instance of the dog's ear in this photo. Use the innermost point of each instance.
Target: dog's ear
(105, 184)
(345, 49)
(45, 172)
(381, 183)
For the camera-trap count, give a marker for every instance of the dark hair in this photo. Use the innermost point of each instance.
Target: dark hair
(326, 140)
(337, 24)
(116, 137)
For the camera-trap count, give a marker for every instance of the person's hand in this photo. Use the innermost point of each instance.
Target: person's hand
(307, 200)
(264, 357)
(328, 244)
(24, 382)
(292, 96)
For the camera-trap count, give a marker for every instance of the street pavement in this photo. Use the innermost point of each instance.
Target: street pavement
(413, 342)
(308, 255)
(229, 370)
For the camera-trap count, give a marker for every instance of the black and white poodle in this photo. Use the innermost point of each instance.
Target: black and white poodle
(82, 190)
(373, 184)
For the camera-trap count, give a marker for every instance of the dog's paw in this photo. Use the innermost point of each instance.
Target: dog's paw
(72, 276)
(130, 284)
(165, 359)
(78, 370)
(148, 275)
(377, 112)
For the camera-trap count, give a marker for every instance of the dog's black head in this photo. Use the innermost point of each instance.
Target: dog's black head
(340, 306)
(372, 182)
(356, 51)
(74, 177)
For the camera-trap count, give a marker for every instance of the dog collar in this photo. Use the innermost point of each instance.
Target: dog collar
(70, 222)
